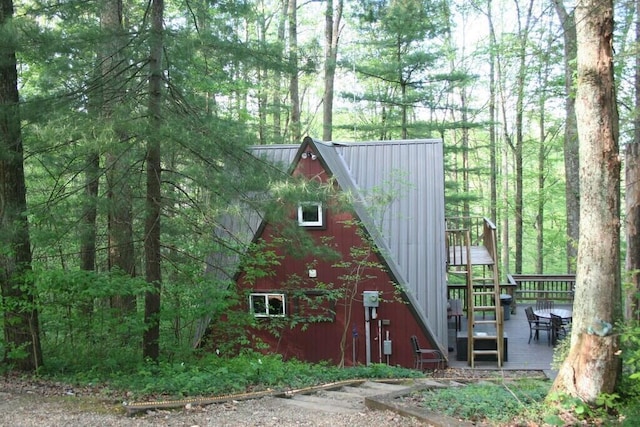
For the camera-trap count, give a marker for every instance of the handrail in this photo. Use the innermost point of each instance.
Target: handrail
(489, 239)
(482, 232)
(530, 287)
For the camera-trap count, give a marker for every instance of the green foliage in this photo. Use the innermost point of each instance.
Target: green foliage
(213, 375)
(608, 401)
(629, 384)
(489, 402)
(560, 353)
(12, 353)
(609, 409)
(570, 403)
(80, 323)
(630, 342)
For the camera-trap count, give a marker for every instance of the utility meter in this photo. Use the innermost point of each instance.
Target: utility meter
(370, 298)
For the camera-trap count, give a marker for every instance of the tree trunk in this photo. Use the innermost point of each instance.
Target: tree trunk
(277, 90)
(523, 34)
(465, 150)
(21, 326)
(632, 200)
(541, 181)
(151, 345)
(263, 85)
(543, 81)
(293, 69)
(587, 358)
(88, 235)
(632, 229)
(571, 149)
(120, 217)
(505, 172)
(592, 367)
(506, 194)
(492, 118)
(332, 35)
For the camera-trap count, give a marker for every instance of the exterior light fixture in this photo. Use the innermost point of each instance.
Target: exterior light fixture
(309, 154)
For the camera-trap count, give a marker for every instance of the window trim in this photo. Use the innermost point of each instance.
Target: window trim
(320, 223)
(267, 295)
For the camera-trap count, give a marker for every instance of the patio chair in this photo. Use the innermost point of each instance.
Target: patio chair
(544, 304)
(558, 328)
(536, 325)
(422, 356)
(454, 309)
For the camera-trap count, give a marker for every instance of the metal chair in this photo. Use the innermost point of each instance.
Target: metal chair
(544, 304)
(558, 328)
(454, 309)
(422, 356)
(536, 325)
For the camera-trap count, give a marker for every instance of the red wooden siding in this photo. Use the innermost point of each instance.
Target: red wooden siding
(321, 341)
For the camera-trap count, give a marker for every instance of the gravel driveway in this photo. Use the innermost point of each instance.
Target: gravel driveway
(39, 403)
(24, 404)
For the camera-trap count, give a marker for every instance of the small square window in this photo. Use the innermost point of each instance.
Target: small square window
(267, 305)
(310, 215)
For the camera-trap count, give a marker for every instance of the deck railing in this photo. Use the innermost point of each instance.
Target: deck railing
(459, 291)
(479, 231)
(531, 287)
(471, 231)
(479, 227)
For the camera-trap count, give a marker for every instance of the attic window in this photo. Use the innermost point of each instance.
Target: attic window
(267, 305)
(310, 215)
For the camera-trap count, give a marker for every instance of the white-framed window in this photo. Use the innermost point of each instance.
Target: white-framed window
(310, 214)
(267, 305)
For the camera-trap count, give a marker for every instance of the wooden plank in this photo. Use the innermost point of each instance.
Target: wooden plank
(479, 256)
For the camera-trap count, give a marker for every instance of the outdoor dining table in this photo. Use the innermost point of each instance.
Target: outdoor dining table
(565, 313)
(545, 313)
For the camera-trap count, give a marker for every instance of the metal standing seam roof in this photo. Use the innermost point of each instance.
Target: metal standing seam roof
(409, 230)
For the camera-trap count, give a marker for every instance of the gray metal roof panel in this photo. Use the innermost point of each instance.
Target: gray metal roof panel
(409, 229)
(408, 226)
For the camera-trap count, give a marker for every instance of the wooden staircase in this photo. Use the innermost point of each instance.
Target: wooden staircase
(472, 257)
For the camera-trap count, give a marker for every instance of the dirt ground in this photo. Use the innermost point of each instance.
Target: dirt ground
(27, 403)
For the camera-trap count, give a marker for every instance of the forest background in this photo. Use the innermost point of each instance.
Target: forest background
(135, 119)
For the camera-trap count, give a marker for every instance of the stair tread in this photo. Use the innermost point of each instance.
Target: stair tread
(487, 337)
(485, 322)
(485, 352)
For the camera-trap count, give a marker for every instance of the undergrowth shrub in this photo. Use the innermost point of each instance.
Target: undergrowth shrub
(81, 327)
(85, 331)
(629, 384)
(489, 402)
(214, 375)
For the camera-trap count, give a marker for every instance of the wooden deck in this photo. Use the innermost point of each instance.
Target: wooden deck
(479, 256)
(522, 356)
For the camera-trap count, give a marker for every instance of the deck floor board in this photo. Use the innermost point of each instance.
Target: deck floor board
(479, 256)
(522, 356)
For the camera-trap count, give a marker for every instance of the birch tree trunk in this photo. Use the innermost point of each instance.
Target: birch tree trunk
(592, 366)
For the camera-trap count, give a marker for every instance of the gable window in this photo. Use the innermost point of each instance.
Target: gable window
(310, 215)
(267, 305)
